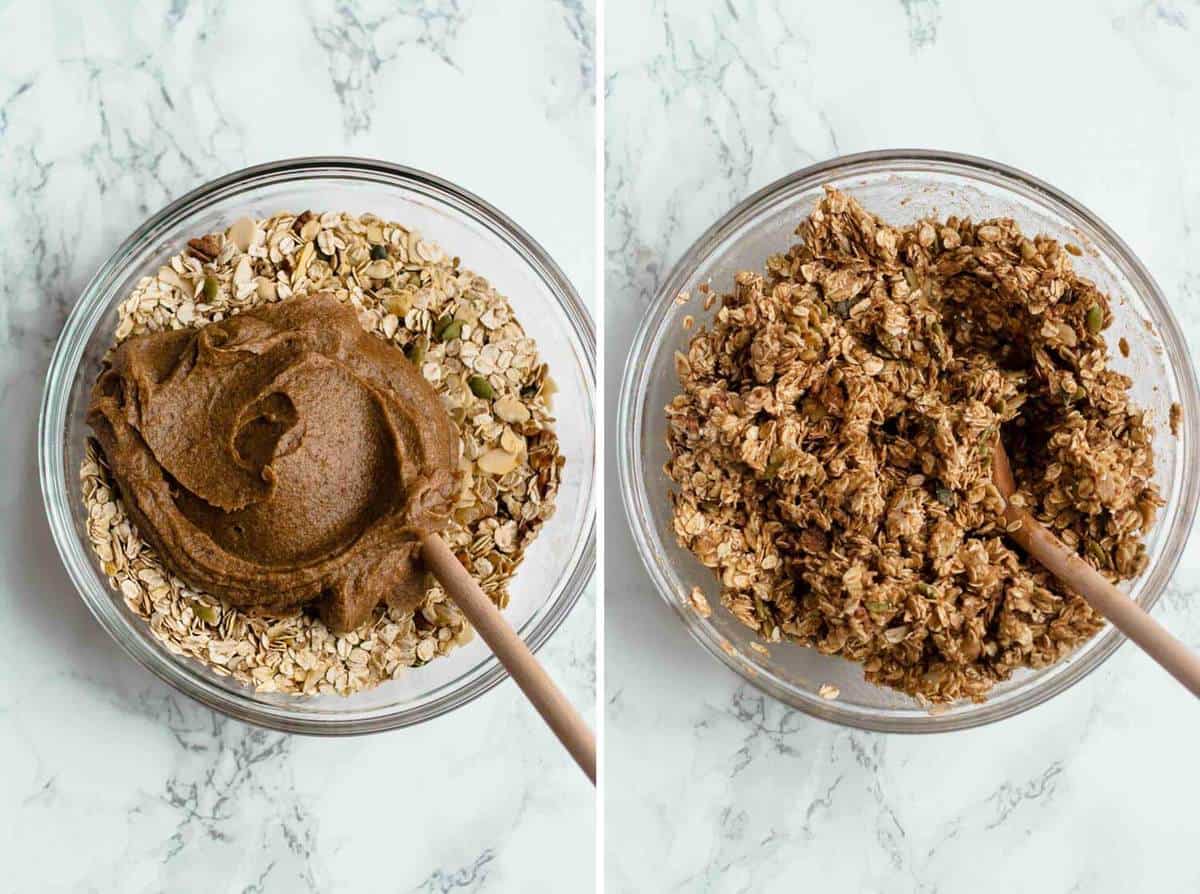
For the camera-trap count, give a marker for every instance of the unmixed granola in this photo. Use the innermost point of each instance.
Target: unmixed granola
(831, 447)
(463, 337)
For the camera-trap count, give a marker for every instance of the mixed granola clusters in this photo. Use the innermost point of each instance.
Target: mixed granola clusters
(831, 447)
(458, 331)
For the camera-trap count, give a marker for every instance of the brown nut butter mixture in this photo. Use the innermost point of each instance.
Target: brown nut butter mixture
(831, 447)
(283, 457)
(463, 337)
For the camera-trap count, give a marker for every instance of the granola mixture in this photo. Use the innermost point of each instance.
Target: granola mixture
(463, 337)
(831, 447)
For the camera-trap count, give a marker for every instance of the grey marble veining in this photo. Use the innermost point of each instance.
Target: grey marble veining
(111, 781)
(721, 788)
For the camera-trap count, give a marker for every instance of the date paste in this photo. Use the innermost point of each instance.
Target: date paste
(280, 458)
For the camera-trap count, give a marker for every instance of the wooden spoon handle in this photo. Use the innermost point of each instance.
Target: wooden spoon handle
(1125, 614)
(559, 714)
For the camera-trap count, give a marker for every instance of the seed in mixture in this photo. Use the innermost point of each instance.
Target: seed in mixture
(400, 287)
(831, 447)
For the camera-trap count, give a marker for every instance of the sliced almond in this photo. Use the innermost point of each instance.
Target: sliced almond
(306, 255)
(380, 269)
(497, 462)
(510, 409)
(241, 233)
(243, 272)
(171, 278)
(511, 441)
(309, 231)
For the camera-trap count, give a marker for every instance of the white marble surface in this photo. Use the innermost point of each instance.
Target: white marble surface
(110, 781)
(716, 788)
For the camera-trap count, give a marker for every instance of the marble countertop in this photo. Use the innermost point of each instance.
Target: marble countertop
(718, 788)
(111, 781)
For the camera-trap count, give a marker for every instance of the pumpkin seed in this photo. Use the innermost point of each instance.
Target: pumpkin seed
(448, 329)
(210, 614)
(481, 387)
(415, 350)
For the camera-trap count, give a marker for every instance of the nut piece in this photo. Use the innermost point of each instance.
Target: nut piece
(510, 409)
(511, 441)
(306, 255)
(206, 248)
(497, 462)
(244, 271)
(309, 231)
(379, 269)
(241, 233)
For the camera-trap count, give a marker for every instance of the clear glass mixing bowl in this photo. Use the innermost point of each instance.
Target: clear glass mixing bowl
(558, 565)
(900, 186)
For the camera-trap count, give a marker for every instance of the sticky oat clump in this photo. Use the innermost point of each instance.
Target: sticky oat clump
(831, 447)
(466, 341)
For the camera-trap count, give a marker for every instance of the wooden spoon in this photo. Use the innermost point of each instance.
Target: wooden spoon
(1062, 561)
(558, 713)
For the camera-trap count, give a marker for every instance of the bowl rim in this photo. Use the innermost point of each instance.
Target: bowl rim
(635, 379)
(68, 353)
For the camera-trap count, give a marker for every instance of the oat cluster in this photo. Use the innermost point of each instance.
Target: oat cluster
(831, 447)
(463, 337)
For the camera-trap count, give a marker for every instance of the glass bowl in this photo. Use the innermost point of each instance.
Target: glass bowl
(900, 186)
(557, 566)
